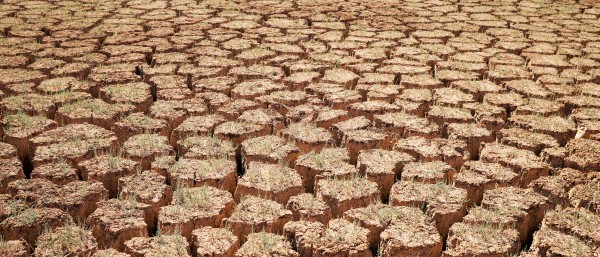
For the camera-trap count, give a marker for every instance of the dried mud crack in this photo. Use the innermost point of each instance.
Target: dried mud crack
(300, 128)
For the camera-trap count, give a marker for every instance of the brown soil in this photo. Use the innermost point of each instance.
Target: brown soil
(160, 245)
(232, 109)
(523, 162)
(256, 214)
(271, 181)
(281, 101)
(195, 207)
(139, 123)
(137, 94)
(237, 132)
(11, 170)
(491, 116)
(339, 237)
(451, 97)
(481, 240)
(559, 128)
(542, 107)
(445, 204)
(382, 167)
(204, 147)
(149, 188)
(369, 109)
(335, 96)
(254, 88)
(477, 177)
(269, 149)
(405, 125)
(269, 118)
(116, 221)
(473, 134)
(79, 199)
(15, 248)
(174, 112)
(110, 252)
(28, 224)
(525, 205)
(307, 207)
(217, 84)
(476, 97)
(196, 126)
(325, 117)
(9, 206)
(59, 173)
(557, 187)
(428, 172)
(477, 88)
(220, 173)
(442, 115)
(409, 232)
(307, 137)
(93, 111)
(304, 234)
(75, 143)
(19, 128)
(144, 148)
(340, 129)
(555, 156)
(582, 152)
(70, 240)
(450, 151)
(579, 223)
(345, 194)
(32, 190)
(219, 242)
(108, 169)
(378, 217)
(585, 196)
(266, 244)
(547, 241)
(357, 140)
(524, 139)
(328, 162)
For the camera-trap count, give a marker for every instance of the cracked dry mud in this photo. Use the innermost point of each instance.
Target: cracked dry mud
(309, 128)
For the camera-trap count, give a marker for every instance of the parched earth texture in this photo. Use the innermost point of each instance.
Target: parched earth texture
(300, 128)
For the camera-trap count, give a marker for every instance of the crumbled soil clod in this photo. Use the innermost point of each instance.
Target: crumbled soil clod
(479, 239)
(445, 204)
(144, 148)
(382, 167)
(160, 245)
(16, 248)
(523, 162)
(268, 149)
(271, 181)
(340, 236)
(28, 224)
(477, 177)
(263, 243)
(528, 203)
(328, 162)
(195, 207)
(64, 241)
(208, 241)
(116, 221)
(256, 214)
(149, 188)
(345, 194)
(220, 173)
